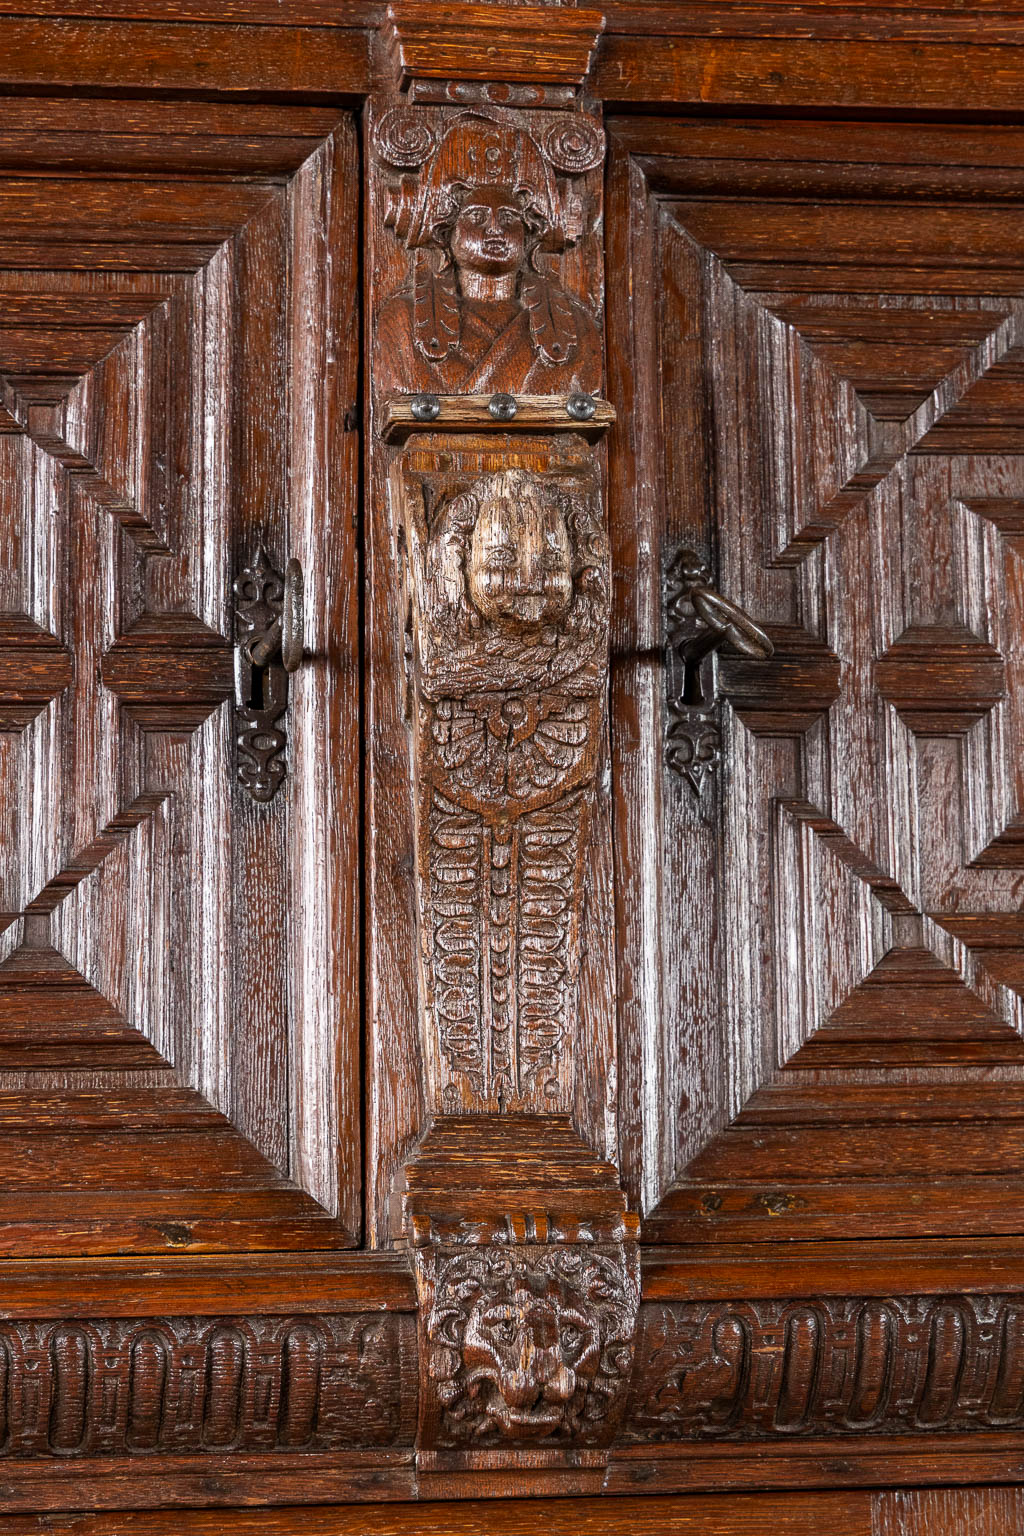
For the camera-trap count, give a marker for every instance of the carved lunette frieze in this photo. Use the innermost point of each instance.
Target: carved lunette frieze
(111, 1387)
(827, 1366)
(507, 568)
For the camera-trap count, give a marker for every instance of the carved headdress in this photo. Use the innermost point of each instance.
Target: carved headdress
(476, 152)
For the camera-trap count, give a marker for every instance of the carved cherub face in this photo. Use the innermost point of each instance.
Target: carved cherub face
(528, 1353)
(520, 557)
(489, 232)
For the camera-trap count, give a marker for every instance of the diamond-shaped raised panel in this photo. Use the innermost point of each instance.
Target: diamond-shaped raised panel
(847, 450)
(51, 1017)
(940, 680)
(911, 1010)
(170, 368)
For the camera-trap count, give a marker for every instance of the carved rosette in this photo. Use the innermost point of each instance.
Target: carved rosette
(507, 572)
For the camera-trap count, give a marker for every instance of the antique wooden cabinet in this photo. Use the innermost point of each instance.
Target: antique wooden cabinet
(511, 788)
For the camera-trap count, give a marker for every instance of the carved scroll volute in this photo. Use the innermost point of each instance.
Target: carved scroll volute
(507, 572)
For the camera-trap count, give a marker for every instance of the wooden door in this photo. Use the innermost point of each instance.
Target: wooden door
(826, 417)
(180, 1025)
(510, 734)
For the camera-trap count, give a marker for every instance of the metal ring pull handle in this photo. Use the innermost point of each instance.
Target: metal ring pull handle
(700, 622)
(284, 634)
(724, 619)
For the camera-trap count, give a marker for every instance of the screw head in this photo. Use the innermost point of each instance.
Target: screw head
(502, 407)
(580, 406)
(425, 407)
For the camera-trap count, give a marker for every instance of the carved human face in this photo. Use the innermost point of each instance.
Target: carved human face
(489, 235)
(530, 1356)
(520, 561)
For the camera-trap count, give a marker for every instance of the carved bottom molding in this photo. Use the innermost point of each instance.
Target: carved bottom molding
(117, 1387)
(757, 1370)
(529, 1354)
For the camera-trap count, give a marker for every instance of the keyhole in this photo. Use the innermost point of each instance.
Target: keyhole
(698, 672)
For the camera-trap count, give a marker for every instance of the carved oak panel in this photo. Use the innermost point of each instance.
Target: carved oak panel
(487, 618)
(176, 1068)
(839, 1044)
(828, 1366)
(507, 573)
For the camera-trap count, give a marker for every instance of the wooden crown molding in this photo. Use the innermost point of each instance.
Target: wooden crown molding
(486, 42)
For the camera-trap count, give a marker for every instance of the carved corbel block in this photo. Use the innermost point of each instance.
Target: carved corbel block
(485, 253)
(506, 570)
(528, 1298)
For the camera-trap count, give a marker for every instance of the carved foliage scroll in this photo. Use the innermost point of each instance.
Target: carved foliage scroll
(508, 589)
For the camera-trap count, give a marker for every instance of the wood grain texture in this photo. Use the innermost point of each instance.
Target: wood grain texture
(450, 317)
(828, 73)
(138, 55)
(109, 1388)
(547, 45)
(800, 1019)
(134, 480)
(980, 1511)
(846, 1514)
(852, 527)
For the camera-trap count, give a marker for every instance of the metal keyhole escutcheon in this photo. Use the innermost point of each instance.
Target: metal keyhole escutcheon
(269, 646)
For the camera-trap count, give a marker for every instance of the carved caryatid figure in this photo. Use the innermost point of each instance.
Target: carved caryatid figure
(509, 599)
(481, 313)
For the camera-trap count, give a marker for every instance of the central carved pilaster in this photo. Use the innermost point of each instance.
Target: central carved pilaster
(487, 368)
(507, 572)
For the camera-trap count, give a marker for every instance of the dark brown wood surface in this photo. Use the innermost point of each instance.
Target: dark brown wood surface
(784, 1032)
(857, 879)
(181, 1018)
